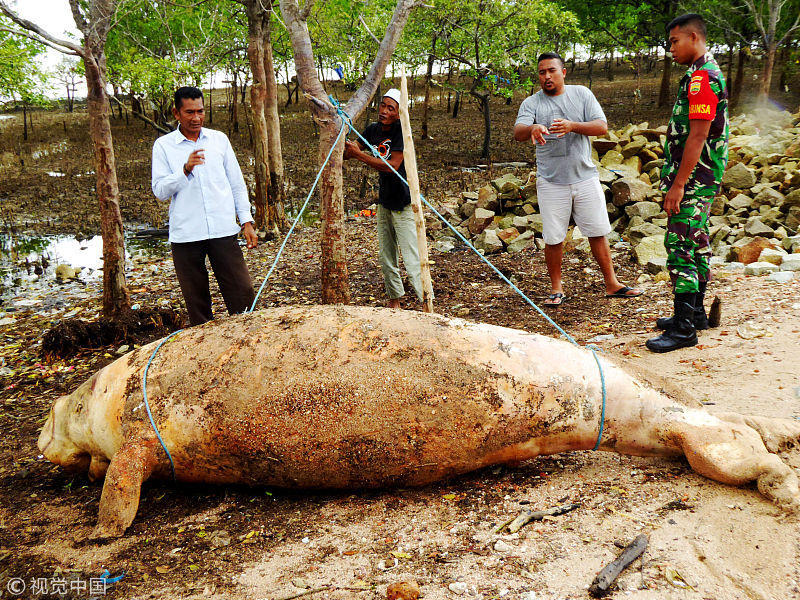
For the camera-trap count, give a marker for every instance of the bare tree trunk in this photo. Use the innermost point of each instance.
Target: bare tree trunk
(736, 91)
(211, 101)
(428, 77)
(267, 154)
(729, 66)
(663, 93)
(610, 65)
(487, 125)
(277, 190)
(258, 100)
(24, 121)
(784, 60)
(456, 104)
(115, 290)
(335, 277)
(766, 73)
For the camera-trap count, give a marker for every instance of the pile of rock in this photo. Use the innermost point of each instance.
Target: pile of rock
(757, 212)
(502, 215)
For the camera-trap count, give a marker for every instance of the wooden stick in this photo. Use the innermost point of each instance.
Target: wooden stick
(601, 584)
(410, 161)
(306, 593)
(528, 515)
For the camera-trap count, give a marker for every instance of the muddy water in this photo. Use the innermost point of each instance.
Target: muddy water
(28, 262)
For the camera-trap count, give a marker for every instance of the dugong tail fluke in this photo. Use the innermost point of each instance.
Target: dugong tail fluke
(355, 397)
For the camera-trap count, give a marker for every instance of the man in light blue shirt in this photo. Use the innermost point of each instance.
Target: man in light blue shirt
(196, 170)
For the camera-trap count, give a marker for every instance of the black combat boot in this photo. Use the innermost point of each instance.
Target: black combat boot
(700, 317)
(682, 334)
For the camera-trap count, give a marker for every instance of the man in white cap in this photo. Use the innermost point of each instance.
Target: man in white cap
(396, 227)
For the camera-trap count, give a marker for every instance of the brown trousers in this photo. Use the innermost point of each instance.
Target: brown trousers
(229, 268)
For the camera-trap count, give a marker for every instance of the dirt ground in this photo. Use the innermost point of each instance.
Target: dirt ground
(240, 543)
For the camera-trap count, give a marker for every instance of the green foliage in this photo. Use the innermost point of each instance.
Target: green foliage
(21, 78)
(340, 33)
(156, 47)
(495, 40)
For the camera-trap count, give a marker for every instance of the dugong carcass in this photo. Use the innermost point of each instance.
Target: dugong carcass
(352, 397)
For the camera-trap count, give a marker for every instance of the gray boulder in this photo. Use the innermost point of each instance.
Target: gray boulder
(718, 205)
(521, 242)
(468, 208)
(638, 233)
(755, 226)
(739, 176)
(629, 190)
(792, 198)
(605, 175)
(650, 249)
(769, 197)
(791, 262)
(740, 201)
(489, 242)
(791, 244)
(772, 255)
(507, 183)
(443, 245)
(480, 220)
(644, 209)
(760, 268)
(634, 147)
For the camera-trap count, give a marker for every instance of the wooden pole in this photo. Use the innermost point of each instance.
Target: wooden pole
(410, 162)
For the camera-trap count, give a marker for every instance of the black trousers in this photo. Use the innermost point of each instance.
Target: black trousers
(229, 268)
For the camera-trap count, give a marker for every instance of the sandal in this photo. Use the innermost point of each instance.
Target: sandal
(556, 299)
(623, 292)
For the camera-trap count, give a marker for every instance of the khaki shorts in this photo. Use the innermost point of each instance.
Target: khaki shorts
(583, 201)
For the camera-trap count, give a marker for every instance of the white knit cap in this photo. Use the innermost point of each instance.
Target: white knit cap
(394, 94)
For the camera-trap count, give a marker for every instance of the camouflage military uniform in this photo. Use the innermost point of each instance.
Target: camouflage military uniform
(702, 94)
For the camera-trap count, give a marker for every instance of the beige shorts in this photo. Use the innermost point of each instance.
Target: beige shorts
(583, 201)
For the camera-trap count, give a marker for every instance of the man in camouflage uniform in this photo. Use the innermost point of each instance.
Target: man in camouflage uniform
(695, 155)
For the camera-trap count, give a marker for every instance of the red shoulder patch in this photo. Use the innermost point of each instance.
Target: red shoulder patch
(702, 99)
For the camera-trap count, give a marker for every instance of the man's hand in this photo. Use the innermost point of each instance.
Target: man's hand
(350, 149)
(250, 234)
(195, 158)
(561, 127)
(672, 200)
(538, 132)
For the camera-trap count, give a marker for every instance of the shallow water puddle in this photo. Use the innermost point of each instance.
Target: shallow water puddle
(27, 259)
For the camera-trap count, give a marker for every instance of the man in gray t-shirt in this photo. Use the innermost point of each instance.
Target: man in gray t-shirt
(559, 120)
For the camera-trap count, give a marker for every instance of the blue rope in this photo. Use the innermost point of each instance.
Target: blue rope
(297, 219)
(147, 404)
(346, 118)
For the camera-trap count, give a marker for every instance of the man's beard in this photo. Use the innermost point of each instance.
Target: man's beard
(551, 91)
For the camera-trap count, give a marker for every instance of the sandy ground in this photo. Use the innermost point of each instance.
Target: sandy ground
(727, 543)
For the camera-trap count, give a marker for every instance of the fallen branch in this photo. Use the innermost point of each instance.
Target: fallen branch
(528, 515)
(602, 583)
(307, 593)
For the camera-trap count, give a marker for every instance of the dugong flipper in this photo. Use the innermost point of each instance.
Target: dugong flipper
(355, 397)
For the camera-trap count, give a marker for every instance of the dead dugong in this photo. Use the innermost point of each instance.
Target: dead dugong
(351, 397)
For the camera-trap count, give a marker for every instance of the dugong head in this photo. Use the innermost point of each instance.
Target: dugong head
(84, 428)
(58, 440)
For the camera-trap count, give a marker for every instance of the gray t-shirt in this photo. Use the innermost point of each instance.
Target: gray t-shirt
(567, 159)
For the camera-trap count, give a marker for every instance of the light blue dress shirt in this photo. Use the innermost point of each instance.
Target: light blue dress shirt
(206, 204)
